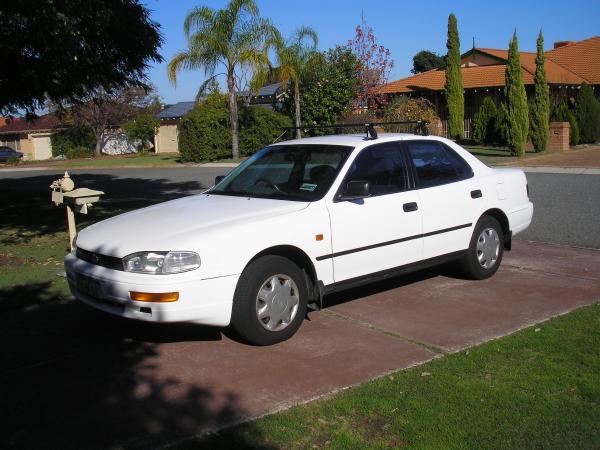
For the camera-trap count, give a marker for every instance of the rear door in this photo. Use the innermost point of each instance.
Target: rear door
(384, 230)
(451, 199)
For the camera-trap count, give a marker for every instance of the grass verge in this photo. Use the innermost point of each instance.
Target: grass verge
(538, 388)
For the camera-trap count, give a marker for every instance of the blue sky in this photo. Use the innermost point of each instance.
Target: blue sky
(402, 26)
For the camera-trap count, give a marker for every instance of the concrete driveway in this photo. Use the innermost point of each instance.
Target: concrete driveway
(73, 377)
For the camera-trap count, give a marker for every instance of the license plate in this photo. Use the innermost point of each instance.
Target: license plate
(90, 286)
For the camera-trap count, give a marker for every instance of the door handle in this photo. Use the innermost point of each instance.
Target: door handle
(476, 194)
(409, 207)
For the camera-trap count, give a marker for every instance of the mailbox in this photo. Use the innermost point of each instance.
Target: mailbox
(76, 200)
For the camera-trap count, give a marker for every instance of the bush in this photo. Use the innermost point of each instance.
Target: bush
(484, 123)
(13, 161)
(141, 130)
(501, 125)
(587, 112)
(562, 113)
(79, 152)
(72, 140)
(204, 133)
(259, 127)
(409, 109)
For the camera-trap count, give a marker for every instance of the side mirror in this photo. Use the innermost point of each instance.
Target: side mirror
(218, 179)
(356, 190)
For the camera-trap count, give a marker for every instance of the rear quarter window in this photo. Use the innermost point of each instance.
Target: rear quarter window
(436, 164)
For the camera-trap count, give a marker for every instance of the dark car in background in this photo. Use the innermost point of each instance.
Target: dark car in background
(7, 153)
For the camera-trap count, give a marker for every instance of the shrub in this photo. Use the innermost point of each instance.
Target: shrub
(204, 132)
(587, 112)
(409, 109)
(259, 127)
(484, 123)
(141, 130)
(501, 125)
(65, 142)
(13, 161)
(79, 152)
(562, 113)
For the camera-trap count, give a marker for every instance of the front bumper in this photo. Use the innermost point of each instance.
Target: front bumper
(207, 301)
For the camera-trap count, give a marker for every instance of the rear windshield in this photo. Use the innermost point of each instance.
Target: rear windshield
(286, 172)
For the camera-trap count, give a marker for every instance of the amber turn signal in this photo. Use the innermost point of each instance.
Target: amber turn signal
(319, 237)
(154, 297)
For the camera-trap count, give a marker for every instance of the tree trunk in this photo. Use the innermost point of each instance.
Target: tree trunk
(297, 104)
(98, 144)
(233, 114)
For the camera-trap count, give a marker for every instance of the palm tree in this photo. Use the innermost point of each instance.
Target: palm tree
(232, 38)
(293, 57)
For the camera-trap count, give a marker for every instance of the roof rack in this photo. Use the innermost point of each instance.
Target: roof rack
(420, 127)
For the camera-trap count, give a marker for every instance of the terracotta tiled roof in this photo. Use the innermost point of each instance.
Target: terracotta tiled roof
(434, 80)
(582, 58)
(555, 74)
(571, 64)
(42, 123)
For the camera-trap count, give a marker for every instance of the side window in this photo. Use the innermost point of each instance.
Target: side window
(462, 167)
(381, 165)
(435, 164)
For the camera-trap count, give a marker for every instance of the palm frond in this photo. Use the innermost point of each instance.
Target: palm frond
(198, 19)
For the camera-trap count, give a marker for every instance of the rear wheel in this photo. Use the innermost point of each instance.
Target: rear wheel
(486, 249)
(270, 301)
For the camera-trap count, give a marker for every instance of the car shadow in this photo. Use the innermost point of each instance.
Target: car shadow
(73, 377)
(447, 270)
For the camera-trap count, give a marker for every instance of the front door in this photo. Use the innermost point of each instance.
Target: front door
(382, 231)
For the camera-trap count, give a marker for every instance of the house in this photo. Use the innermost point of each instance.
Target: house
(165, 139)
(30, 138)
(568, 65)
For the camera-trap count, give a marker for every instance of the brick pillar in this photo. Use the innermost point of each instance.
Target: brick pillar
(559, 136)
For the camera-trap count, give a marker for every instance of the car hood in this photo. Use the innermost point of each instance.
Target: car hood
(177, 224)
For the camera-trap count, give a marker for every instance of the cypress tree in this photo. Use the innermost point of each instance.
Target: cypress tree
(587, 112)
(541, 101)
(454, 85)
(516, 101)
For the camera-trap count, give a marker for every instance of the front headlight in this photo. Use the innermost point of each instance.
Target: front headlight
(161, 263)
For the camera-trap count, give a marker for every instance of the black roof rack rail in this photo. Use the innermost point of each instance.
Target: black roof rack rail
(420, 127)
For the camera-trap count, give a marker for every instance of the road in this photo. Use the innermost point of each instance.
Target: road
(567, 206)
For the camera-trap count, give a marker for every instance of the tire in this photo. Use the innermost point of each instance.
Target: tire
(485, 251)
(270, 301)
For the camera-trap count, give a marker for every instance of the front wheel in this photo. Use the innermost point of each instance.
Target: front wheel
(485, 251)
(270, 301)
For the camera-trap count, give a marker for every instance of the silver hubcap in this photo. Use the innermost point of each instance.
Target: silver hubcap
(488, 248)
(277, 302)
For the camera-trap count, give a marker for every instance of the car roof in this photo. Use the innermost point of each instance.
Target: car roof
(356, 140)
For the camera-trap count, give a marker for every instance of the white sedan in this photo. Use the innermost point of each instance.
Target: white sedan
(298, 220)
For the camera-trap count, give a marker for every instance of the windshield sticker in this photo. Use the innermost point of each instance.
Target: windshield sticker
(308, 187)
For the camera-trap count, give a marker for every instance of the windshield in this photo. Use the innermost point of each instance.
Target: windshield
(286, 172)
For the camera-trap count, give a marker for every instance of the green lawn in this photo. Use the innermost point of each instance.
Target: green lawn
(493, 156)
(33, 243)
(138, 160)
(539, 388)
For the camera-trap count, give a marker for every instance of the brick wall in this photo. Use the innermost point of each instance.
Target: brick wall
(559, 136)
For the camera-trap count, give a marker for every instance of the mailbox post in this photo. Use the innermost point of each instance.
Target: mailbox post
(76, 200)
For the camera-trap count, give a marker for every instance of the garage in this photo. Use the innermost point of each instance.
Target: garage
(42, 147)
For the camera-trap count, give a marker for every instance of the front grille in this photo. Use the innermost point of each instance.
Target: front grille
(111, 262)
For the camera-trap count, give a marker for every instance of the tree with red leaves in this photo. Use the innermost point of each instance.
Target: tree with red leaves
(374, 66)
